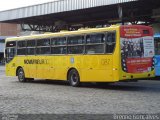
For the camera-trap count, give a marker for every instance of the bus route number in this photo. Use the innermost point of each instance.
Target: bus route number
(105, 61)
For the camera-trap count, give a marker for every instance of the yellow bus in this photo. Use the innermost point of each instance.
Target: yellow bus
(110, 54)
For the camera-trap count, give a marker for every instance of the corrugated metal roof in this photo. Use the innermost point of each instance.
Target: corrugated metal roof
(55, 7)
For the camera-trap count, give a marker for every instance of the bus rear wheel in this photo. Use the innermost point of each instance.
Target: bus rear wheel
(73, 78)
(21, 75)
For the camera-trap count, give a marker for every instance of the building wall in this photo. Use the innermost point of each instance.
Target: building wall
(9, 29)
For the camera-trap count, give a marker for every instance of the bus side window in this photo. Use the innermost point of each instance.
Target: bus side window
(58, 45)
(95, 43)
(110, 42)
(58, 41)
(75, 44)
(43, 42)
(21, 50)
(43, 50)
(43, 46)
(31, 45)
(21, 43)
(59, 50)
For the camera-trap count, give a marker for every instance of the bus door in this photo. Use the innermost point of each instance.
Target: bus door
(157, 55)
(10, 53)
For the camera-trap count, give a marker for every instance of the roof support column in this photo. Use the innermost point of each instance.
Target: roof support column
(120, 13)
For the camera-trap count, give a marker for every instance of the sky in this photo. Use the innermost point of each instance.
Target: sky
(11, 4)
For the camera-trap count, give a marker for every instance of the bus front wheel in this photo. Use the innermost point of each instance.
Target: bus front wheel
(21, 75)
(73, 78)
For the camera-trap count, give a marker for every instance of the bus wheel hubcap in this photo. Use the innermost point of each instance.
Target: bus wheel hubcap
(74, 78)
(21, 75)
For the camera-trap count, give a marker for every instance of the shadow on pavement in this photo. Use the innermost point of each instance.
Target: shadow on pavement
(122, 86)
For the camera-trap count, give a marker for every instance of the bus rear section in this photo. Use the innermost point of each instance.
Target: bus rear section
(137, 52)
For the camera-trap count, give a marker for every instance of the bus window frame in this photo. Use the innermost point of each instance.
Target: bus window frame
(22, 41)
(51, 46)
(45, 38)
(41, 53)
(90, 44)
(54, 46)
(31, 47)
(37, 47)
(114, 31)
(21, 47)
(72, 45)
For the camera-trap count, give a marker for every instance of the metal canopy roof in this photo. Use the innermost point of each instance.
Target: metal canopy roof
(55, 7)
(53, 16)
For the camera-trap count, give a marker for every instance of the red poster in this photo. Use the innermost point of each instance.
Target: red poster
(139, 65)
(137, 48)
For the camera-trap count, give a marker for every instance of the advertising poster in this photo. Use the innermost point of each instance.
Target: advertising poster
(137, 50)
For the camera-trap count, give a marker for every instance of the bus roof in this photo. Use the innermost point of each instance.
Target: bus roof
(67, 33)
(62, 33)
(157, 35)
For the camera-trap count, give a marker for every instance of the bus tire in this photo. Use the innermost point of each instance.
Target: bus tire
(73, 78)
(21, 75)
